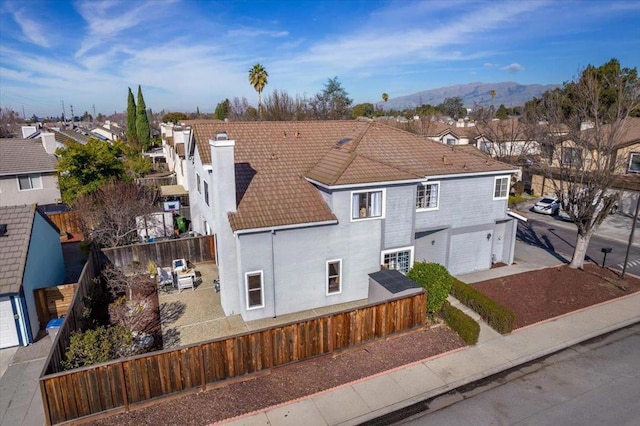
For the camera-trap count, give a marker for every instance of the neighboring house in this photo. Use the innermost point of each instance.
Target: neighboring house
(28, 171)
(303, 212)
(174, 139)
(30, 258)
(624, 160)
(108, 132)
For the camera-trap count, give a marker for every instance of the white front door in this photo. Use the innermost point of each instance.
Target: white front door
(8, 331)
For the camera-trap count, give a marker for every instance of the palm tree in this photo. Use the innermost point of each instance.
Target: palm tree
(258, 79)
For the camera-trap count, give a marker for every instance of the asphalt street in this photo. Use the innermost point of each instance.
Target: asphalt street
(593, 383)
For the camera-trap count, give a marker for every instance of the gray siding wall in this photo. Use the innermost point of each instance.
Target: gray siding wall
(464, 202)
(299, 259)
(10, 194)
(400, 211)
(199, 209)
(432, 246)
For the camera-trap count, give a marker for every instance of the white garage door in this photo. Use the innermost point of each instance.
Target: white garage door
(469, 252)
(8, 331)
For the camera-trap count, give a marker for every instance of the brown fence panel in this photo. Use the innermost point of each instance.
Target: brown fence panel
(90, 390)
(53, 302)
(193, 249)
(66, 221)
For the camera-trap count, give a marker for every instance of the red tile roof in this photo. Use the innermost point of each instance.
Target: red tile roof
(274, 159)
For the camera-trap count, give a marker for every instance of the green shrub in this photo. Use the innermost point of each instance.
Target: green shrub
(97, 345)
(466, 327)
(434, 278)
(498, 316)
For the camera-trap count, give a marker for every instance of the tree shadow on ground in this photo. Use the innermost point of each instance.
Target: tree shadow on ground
(171, 312)
(527, 235)
(170, 338)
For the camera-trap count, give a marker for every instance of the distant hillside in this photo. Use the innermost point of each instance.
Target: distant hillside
(508, 93)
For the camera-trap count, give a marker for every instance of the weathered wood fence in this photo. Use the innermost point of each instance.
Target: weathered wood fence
(66, 221)
(121, 384)
(53, 302)
(194, 249)
(73, 319)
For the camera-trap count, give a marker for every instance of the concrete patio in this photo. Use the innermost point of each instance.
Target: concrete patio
(193, 316)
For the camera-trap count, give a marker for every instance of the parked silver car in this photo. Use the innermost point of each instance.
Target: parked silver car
(547, 205)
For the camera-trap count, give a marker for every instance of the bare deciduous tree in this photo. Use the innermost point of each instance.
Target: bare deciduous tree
(108, 215)
(586, 120)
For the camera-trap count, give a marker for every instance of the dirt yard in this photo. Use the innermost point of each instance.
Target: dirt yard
(534, 296)
(539, 295)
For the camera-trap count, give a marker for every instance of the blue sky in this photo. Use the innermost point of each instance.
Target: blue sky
(190, 53)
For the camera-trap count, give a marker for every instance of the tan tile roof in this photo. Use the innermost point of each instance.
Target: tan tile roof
(19, 156)
(273, 160)
(14, 245)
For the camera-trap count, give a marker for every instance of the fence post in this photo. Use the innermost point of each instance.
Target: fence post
(125, 398)
(202, 369)
(45, 403)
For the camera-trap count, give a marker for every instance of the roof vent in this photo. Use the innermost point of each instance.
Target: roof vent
(3, 230)
(221, 136)
(343, 141)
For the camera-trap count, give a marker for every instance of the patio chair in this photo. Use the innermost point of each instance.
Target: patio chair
(185, 282)
(164, 278)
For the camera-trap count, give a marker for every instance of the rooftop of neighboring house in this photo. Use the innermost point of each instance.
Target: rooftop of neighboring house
(65, 136)
(14, 245)
(20, 156)
(275, 162)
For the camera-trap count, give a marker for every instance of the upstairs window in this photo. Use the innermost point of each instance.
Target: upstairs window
(634, 163)
(366, 205)
(451, 141)
(206, 192)
(571, 156)
(198, 183)
(427, 196)
(485, 147)
(28, 182)
(501, 188)
(334, 276)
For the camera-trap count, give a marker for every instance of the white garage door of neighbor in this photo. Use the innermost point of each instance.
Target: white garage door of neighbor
(469, 252)
(8, 331)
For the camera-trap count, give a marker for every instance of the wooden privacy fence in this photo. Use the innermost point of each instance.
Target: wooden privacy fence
(118, 385)
(53, 302)
(66, 221)
(194, 249)
(73, 319)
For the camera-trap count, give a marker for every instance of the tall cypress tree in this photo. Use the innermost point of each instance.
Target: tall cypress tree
(132, 135)
(142, 122)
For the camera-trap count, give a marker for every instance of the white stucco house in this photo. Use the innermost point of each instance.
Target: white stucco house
(305, 212)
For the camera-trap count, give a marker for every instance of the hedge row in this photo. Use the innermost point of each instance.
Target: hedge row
(466, 327)
(498, 316)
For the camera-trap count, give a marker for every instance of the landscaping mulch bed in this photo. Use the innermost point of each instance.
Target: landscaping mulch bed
(547, 293)
(293, 381)
(533, 296)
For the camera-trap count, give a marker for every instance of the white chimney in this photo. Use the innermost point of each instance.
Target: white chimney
(223, 179)
(28, 131)
(49, 142)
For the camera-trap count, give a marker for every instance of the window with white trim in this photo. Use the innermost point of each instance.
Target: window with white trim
(571, 156)
(451, 141)
(28, 182)
(485, 147)
(255, 289)
(198, 183)
(398, 259)
(334, 276)
(206, 192)
(501, 188)
(366, 204)
(428, 196)
(634, 162)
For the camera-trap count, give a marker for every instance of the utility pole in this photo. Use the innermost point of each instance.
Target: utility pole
(63, 114)
(72, 119)
(93, 117)
(24, 117)
(633, 228)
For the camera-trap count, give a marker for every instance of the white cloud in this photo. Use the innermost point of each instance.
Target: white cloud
(255, 32)
(513, 68)
(32, 30)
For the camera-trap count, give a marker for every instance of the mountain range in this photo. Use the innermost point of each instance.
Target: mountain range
(508, 93)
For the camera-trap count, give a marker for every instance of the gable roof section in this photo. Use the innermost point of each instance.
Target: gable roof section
(18, 156)
(14, 246)
(273, 161)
